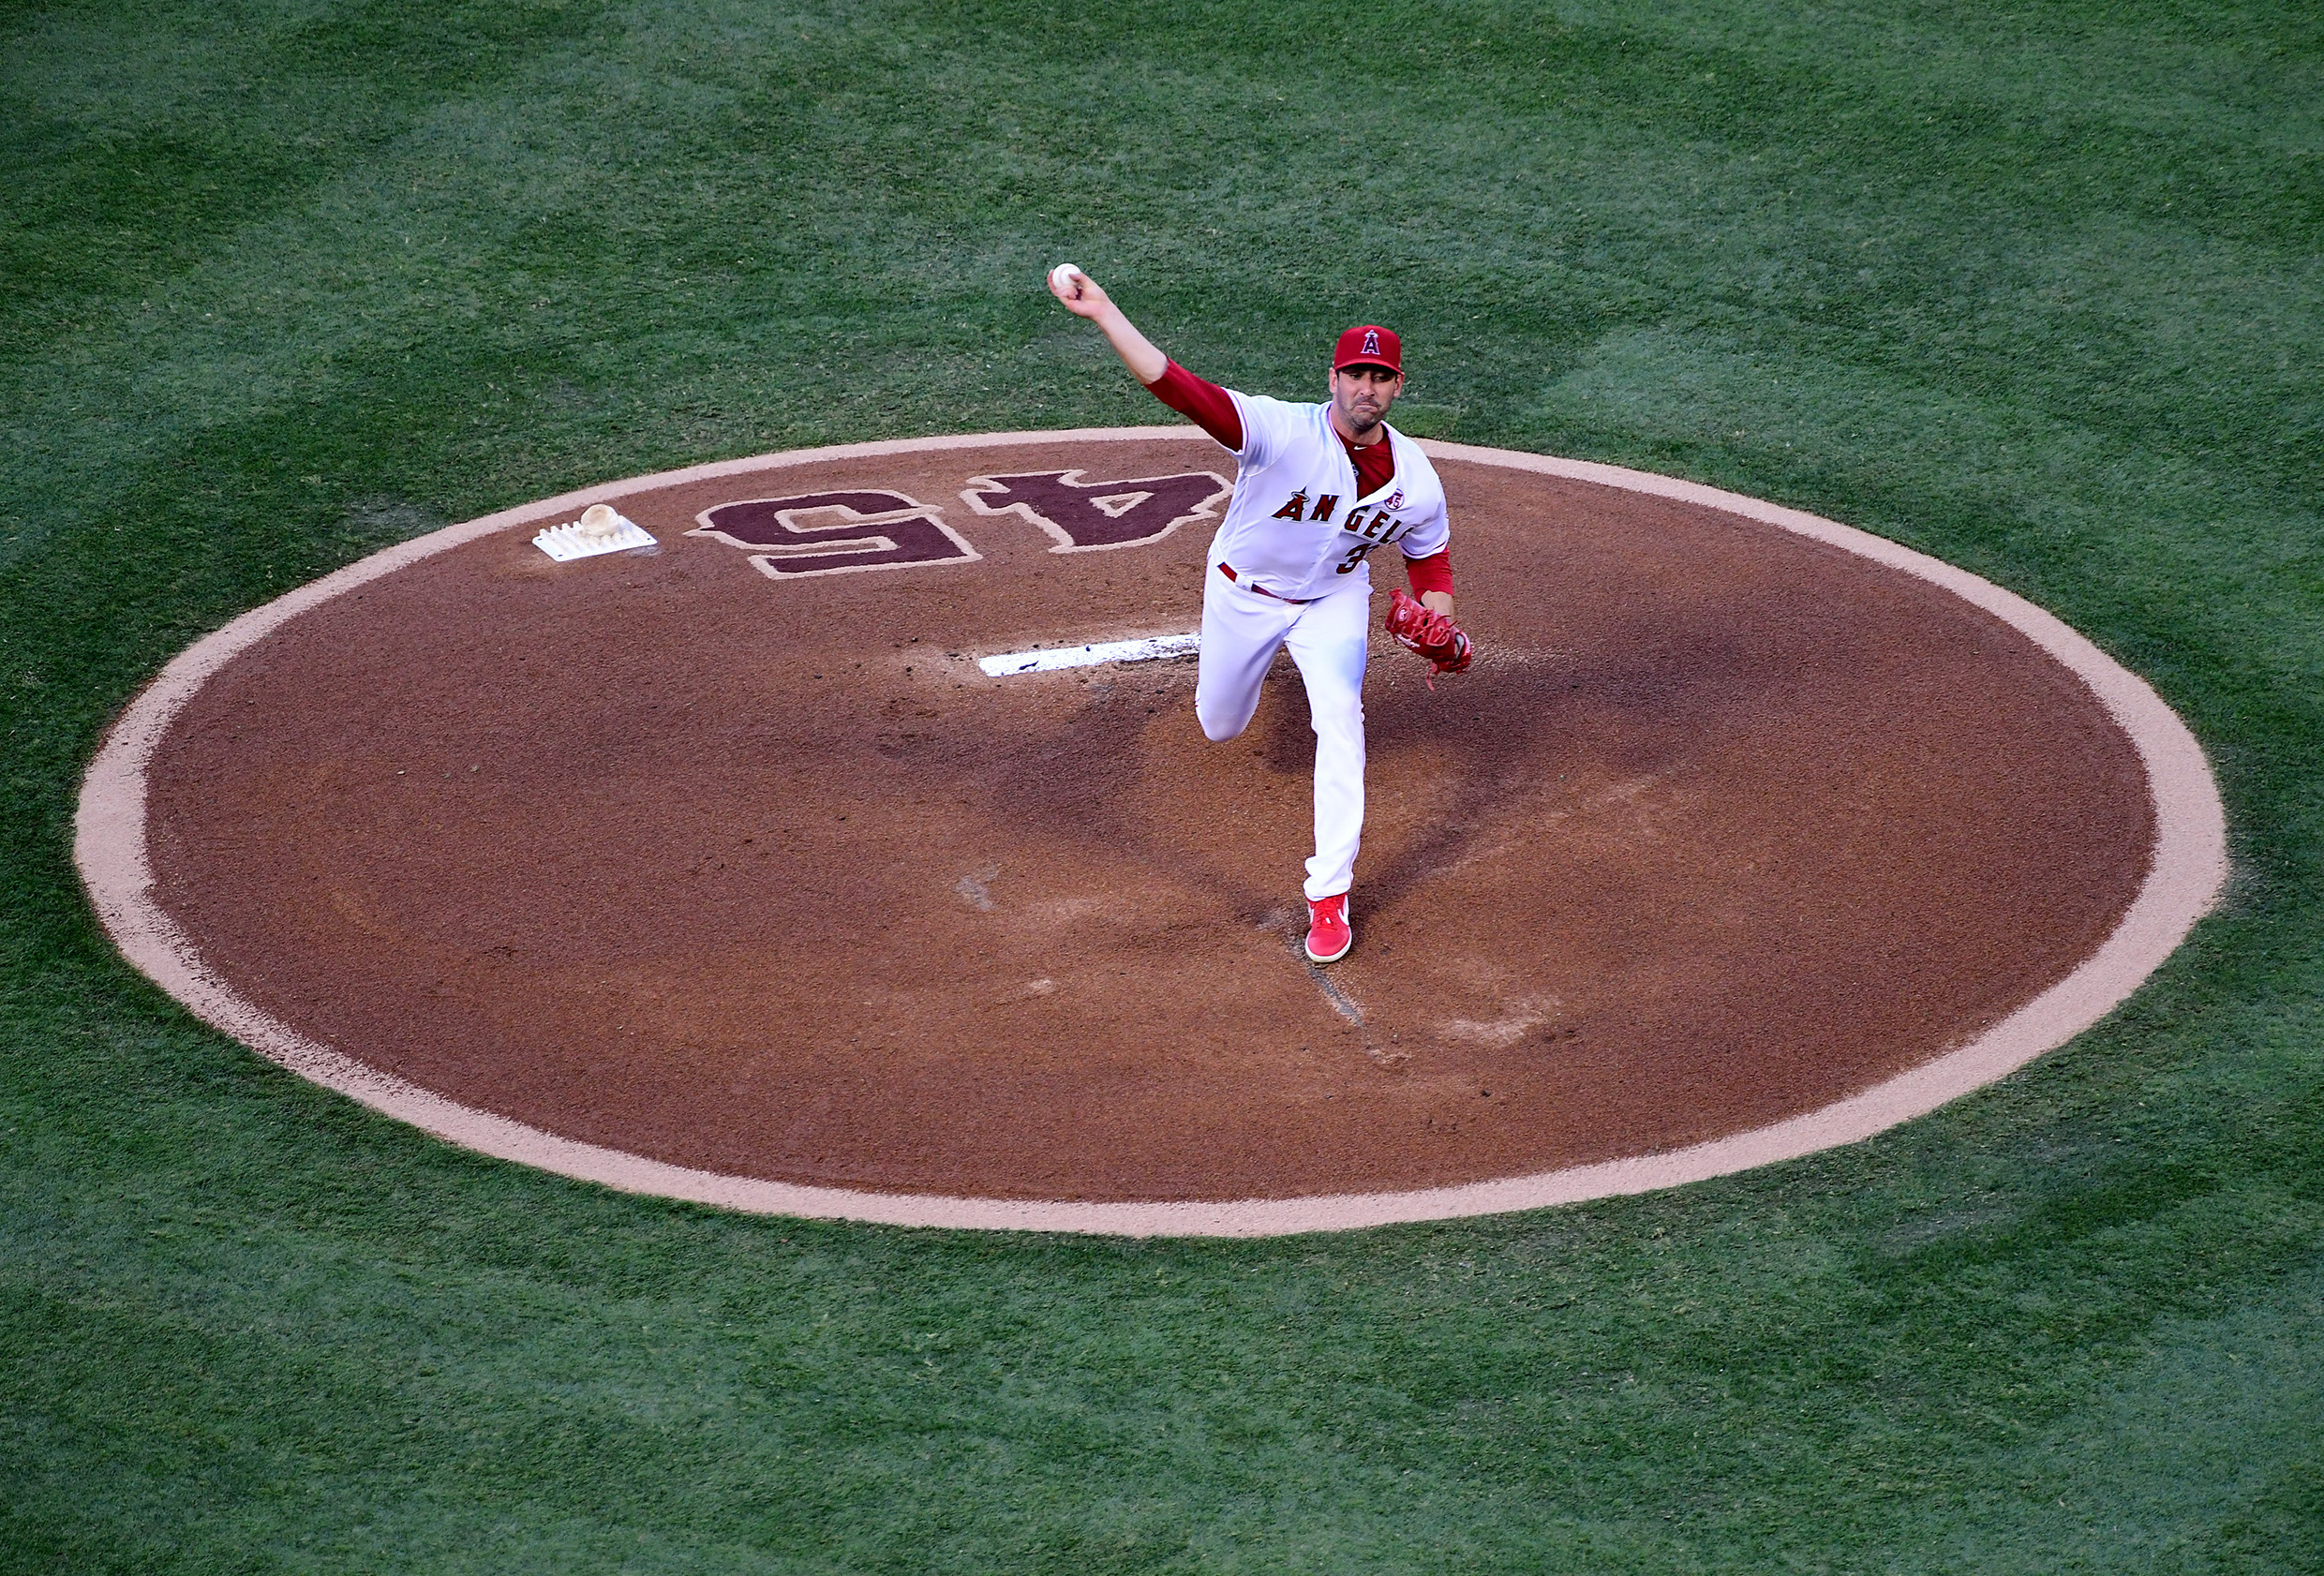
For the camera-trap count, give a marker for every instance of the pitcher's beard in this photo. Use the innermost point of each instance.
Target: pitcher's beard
(1363, 420)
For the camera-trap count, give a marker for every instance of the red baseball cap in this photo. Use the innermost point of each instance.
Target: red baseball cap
(1369, 345)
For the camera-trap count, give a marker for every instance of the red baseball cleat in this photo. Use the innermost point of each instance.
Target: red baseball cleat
(1328, 935)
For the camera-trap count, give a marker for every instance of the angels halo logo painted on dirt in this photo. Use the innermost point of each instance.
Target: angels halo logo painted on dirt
(863, 529)
(848, 532)
(1086, 516)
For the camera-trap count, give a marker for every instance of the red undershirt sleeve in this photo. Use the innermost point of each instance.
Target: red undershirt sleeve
(1431, 573)
(1201, 402)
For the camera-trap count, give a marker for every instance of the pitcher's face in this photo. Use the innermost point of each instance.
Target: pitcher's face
(1361, 396)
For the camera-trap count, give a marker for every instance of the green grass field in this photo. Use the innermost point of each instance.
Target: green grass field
(2041, 292)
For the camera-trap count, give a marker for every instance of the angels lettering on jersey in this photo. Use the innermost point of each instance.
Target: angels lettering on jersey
(1375, 528)
(1297, 521)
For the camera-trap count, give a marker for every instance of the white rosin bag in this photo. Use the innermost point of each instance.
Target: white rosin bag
(599, 529)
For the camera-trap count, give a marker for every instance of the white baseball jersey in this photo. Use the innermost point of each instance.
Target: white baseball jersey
(1296, 526)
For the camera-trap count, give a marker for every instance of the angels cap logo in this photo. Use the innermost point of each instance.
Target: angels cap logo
(1369, 345)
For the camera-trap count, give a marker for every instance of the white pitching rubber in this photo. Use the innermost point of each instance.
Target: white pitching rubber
(1146, 650)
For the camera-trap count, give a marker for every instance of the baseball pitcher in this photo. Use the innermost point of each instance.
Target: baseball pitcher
(1319, 488)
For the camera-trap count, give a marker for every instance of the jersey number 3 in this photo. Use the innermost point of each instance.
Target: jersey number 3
(1356, 554)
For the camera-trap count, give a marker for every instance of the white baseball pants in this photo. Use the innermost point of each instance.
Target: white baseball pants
(1241, 629)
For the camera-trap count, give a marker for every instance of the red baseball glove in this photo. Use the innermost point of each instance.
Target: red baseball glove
(1427, 633)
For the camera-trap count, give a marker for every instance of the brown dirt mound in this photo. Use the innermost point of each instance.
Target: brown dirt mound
(691, 854)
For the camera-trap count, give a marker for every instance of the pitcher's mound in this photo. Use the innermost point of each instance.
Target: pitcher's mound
(729, 854)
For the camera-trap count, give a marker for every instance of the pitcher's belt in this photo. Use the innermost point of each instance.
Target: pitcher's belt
(1254, 586)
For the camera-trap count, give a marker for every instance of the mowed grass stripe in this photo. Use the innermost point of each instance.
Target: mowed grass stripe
(2037, 293)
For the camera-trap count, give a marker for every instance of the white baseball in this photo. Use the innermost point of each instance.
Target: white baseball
(1062, 276)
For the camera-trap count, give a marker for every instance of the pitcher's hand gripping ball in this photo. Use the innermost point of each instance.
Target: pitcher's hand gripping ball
(1427, 633)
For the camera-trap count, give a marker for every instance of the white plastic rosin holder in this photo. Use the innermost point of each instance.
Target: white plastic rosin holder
(599, 529)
